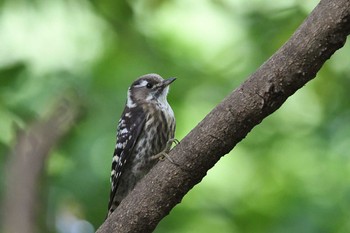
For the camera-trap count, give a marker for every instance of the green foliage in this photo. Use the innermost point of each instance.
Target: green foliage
(291, 173)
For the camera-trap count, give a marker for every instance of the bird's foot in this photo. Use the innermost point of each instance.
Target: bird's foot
(164, 154)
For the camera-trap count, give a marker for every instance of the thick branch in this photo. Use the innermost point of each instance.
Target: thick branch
(26, 166)
(291, 67)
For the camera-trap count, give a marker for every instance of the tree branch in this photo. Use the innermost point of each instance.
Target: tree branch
(26, 166)
(291, 67)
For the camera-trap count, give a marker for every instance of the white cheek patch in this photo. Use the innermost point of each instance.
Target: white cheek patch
(150, 97)
(129, 102)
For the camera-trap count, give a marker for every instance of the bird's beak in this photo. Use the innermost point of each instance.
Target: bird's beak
(168, 81)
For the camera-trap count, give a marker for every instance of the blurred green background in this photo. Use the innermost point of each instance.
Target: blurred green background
(291, 173)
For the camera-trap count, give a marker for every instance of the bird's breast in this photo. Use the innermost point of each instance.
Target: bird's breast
(158, 130)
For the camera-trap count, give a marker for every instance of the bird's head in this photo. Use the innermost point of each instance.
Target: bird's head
(149, 88)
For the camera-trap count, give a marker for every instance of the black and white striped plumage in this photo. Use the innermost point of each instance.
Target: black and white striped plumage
(146, 126)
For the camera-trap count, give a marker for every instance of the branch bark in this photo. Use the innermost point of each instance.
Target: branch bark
(292, 66)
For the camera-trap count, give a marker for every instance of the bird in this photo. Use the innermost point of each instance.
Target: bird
(145, 134)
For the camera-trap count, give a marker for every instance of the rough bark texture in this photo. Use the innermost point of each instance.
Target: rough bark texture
(26, 165)
(293, 65)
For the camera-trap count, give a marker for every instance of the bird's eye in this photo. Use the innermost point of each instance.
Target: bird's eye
(149, 85)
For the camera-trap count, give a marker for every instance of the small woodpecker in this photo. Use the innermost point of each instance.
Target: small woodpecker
(145, 133)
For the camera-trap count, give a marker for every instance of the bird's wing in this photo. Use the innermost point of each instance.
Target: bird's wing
(129, 129)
